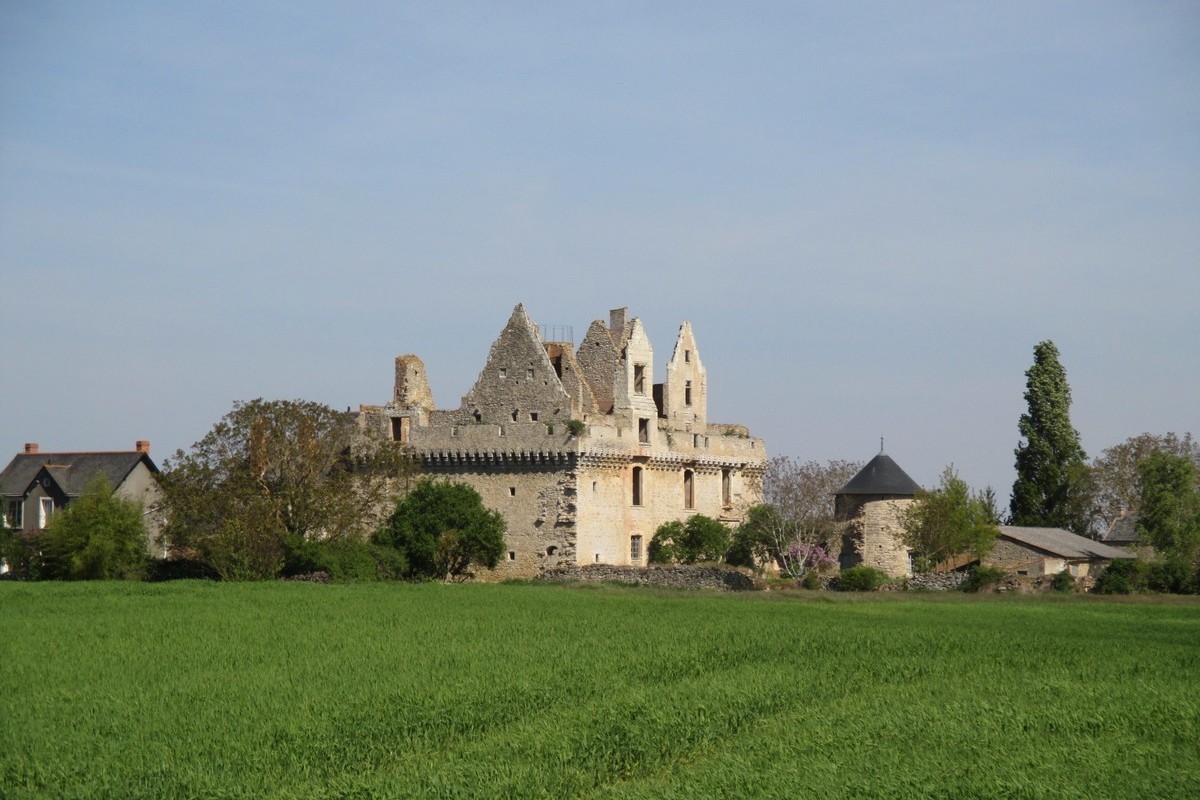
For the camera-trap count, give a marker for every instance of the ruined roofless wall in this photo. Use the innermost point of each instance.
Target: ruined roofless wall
(597, 358)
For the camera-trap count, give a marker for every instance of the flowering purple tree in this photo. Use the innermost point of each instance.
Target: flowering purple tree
(795, 521)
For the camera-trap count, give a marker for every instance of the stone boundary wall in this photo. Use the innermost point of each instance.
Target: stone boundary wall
(937, 581)
(675, 576)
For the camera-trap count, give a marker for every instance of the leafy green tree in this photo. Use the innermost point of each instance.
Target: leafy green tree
(1118, 478)
(99, 536)
(273, 470)
(443, 529)
(1169, 507)
(1052, 486)
(698, 539)
(947, 521)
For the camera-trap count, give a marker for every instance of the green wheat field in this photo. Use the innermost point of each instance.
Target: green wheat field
(208, 690)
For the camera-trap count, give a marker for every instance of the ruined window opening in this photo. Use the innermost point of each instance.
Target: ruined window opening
(503, 372)
(551, 550)
(512, 491)
(726, 488)
(556, 362)
(687, 393)
(639, 378)
(643, 430)
(512, 555)
(454, 430)
(687, 355)
(515, 414)
(635, 548)
(689, 489)
(400, 428)
(533, 416)
(597, 558)
(478, 417)
(695, 440)
(529, 374)
(501, 430)
(637, 486)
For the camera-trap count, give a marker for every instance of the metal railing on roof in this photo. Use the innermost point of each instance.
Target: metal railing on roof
(558, 333)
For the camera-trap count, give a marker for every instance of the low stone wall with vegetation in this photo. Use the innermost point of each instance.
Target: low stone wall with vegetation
(937, 581)
(675, 576)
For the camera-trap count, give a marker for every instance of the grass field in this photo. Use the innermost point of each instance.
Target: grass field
(296, 690)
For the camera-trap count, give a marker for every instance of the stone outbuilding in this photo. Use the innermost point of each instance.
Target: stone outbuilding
(870, 507)
(1049, 551)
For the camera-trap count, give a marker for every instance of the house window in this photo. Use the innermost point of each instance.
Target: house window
(637, 486)
(45, 509)
(689, 489)
(16, 514)
(635, 548)
(687, 393)
(643, 430)
(726, 488)
(639, 378)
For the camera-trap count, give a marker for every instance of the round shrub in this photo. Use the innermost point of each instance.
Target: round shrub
(811, 581)
(1122, 576)
(1062, 582)
(861, 579)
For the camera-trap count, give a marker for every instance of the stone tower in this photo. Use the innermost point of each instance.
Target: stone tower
(870, 507)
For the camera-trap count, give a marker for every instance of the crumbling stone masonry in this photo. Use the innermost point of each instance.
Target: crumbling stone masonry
(640, 454)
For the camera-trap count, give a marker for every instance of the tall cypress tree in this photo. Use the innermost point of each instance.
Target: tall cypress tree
(1052, 475)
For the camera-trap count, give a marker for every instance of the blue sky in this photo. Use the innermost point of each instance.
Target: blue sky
(870, 212)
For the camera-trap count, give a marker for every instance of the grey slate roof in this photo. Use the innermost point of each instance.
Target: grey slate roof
(881, 475)
(1123, 531)
(71, 471)
(1063, 543)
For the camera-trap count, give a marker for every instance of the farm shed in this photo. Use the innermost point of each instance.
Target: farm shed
(1048, 551)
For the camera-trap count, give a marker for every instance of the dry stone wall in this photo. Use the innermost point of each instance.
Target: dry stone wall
(676, 576)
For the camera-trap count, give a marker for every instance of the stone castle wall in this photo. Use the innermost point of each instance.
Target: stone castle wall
(675, 576)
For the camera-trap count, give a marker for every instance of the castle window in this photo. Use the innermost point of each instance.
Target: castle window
(635, 548)
(515, 414)
(689, 489)
(637, 486)
(454, 430)
(529, 374)
(400, 426)
(512, 555)
(478, 416)
(501, 430)
(687, 355)
(643, 430)
(687, 393)
(503, 372)
(695, 440)
(594, 485)
(597, 558)
(533, 416)
(639, 378)
(512, 491)
(726, 488)
(551, 550)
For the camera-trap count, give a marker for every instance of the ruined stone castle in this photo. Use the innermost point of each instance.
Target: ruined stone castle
(579, 449)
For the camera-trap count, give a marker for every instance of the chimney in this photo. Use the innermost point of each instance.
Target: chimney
(143, 446)
(31, 448)
(617, 319)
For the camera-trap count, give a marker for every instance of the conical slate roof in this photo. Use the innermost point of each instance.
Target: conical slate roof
(881, 475)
